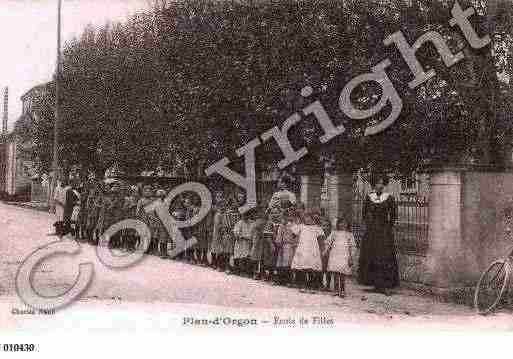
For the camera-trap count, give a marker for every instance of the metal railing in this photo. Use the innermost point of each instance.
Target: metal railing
(412, 225)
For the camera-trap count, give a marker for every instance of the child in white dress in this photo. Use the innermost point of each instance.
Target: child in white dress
(340, 246)
(307, 258)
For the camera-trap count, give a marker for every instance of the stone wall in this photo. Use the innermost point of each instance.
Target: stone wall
(466, 227)
(485, 196)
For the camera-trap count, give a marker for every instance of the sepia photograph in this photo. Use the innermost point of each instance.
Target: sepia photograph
(218, 168)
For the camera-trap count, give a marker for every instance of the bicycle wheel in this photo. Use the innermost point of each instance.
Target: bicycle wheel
(491, 286)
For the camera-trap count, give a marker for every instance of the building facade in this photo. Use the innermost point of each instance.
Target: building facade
(17, 171)
(14, 175)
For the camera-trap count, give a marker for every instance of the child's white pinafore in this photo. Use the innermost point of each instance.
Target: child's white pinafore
(308, 254)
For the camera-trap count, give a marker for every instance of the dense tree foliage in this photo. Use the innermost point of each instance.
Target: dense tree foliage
(187, 83)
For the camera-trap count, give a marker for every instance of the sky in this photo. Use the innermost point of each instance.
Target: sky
(28, 30)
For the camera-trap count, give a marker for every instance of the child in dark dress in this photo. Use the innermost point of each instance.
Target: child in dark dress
(268, 244)
(257, 237)
(162, 237)
(219, 236)
(243, 230)
(130, 208)
(286, 243)
(325, 278)
(150, 219)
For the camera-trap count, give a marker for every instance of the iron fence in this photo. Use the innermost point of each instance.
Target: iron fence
(412, 225)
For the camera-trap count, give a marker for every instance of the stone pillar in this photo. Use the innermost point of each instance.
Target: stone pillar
(445, 235)
(466, 226)
(340, 195)
(311, 190)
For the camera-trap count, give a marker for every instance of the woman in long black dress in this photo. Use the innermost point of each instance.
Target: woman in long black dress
(378, 262)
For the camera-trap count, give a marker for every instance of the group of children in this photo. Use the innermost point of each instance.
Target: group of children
(282, 243)
(102, 205)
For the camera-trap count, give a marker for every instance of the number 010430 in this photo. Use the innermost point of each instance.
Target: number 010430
(18, 347)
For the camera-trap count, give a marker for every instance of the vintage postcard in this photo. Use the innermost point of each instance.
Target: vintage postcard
(240, 166)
